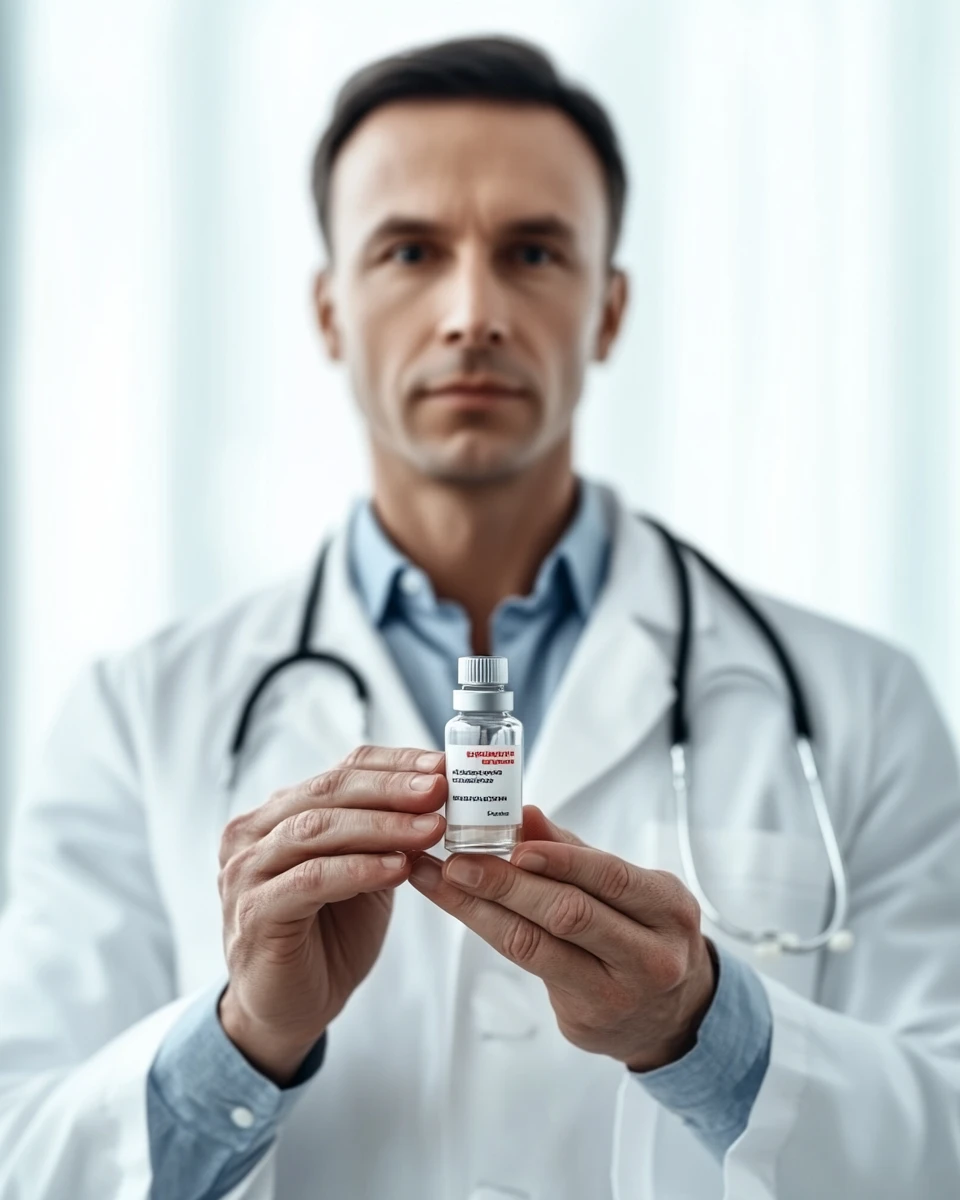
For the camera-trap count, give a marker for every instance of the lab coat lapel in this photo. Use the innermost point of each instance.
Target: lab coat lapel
(618, 683)
(344, 628)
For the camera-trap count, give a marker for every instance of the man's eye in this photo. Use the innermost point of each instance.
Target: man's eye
(532, 255)
(409, 252)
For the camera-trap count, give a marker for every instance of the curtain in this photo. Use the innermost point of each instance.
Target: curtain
(785, 394)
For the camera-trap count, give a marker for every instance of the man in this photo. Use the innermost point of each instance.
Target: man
(393, 1024)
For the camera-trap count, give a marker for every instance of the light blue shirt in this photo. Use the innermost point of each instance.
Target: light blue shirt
(211, 1115)
(537, 633)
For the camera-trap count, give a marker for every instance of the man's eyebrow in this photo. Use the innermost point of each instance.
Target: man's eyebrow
(400, 226)
(547, 225)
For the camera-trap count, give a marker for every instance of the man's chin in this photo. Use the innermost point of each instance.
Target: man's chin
(473, 462)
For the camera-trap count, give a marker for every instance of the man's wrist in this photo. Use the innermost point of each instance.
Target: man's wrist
(702, 991)
(278, 1060)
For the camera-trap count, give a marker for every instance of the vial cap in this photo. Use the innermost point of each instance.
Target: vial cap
(482, 669)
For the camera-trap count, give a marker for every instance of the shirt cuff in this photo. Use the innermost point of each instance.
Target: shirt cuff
(712, 1088)
(210, 1114)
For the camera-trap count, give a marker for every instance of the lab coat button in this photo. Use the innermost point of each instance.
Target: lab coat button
(242, 1117)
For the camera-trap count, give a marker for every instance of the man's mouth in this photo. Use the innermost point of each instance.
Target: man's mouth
(475, 390)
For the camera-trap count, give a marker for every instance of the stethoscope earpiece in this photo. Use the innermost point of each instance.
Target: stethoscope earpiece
(842, 941)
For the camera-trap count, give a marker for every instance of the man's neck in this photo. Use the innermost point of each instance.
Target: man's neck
(480, 543)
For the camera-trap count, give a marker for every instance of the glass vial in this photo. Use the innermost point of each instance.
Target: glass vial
(484, 750)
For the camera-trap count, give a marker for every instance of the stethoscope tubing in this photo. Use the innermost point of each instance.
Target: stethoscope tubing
(765, 941)
(833, 935)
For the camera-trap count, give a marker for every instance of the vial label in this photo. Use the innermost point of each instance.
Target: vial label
(483, 785)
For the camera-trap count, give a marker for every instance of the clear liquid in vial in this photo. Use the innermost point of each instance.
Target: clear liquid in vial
(498, 824)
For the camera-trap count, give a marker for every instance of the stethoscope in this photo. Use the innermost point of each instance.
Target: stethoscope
(834, 936)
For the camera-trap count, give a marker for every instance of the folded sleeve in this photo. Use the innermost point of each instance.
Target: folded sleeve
(714, 1086)
(211, 1116)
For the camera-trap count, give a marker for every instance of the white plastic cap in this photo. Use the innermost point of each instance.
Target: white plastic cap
(482, 669)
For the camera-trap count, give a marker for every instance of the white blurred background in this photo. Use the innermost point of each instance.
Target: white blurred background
(788, 387)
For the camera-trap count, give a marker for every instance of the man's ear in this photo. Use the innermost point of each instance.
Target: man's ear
(326, 314)
(614, 306)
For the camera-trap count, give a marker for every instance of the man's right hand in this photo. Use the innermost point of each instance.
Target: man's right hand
(306, 882)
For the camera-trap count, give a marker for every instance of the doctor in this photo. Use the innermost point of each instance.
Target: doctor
(281, 988)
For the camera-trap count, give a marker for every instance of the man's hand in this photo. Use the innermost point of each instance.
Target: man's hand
(619, 948)
(306, 884)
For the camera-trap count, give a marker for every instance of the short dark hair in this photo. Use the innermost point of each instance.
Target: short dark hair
(502, 69)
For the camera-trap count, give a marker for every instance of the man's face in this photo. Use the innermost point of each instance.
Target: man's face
(469, 285)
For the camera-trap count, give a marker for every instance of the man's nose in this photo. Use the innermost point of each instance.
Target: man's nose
(476, 307)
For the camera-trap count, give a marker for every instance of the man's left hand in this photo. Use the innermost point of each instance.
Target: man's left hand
(619, 947)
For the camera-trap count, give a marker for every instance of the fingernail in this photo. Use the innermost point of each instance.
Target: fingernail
(425, 873)
(429, 762)
(393, 862)
(531, 861)
(423, 783)
(427, 823)
(464, 869)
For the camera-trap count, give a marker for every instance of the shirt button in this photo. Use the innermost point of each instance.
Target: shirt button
(410, 582)
(242, 1117)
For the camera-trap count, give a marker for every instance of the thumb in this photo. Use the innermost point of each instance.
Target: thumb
(539, 828)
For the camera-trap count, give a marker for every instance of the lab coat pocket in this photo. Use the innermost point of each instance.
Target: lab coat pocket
(761, 880)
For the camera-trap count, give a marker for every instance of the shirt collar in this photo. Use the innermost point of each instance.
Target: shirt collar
(377, 564)
(582, 551)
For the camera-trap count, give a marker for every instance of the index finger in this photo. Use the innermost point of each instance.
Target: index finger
(407, 780)
(656, 899)
(395, 758)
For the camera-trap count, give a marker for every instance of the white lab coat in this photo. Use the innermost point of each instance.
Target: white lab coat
(445, 1077)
